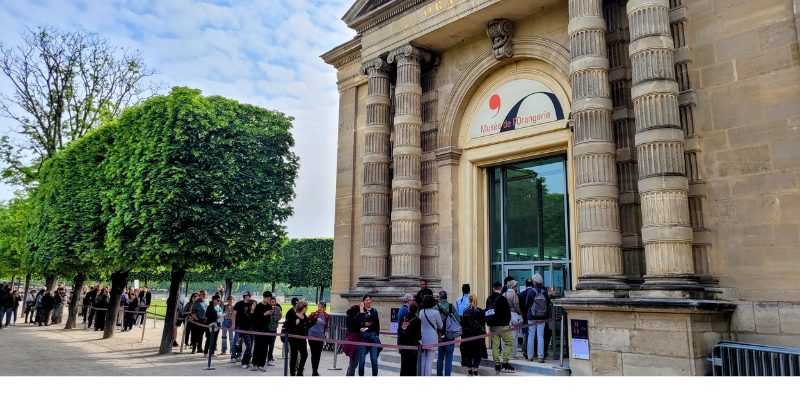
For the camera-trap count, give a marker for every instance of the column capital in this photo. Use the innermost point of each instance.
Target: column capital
(375, 66)
(409, 50)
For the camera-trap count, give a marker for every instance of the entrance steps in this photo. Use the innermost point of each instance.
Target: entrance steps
(390, 363)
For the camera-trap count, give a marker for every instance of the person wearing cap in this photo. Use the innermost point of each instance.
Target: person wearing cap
(403, 311)
(463, 302)
(241, 320)
(444, 363)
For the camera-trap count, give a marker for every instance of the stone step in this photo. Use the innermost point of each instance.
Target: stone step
(390, 362)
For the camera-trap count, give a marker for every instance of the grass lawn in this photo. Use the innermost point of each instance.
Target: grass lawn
(158, 308)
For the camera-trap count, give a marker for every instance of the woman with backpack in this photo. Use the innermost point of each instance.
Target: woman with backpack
(538, 303)
(432, 324)
(472, 324)
(409, 333)
(318, 327)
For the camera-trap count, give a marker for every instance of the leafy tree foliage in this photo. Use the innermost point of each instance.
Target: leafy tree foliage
(198, 181)
(67, 235)
(64, 84)
(14, 216)
(308, 262)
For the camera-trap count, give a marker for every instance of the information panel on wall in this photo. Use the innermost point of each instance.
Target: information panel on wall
(517, 104)
(580, 339)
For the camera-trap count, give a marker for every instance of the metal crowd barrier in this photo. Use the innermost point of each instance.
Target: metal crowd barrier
(743, 359)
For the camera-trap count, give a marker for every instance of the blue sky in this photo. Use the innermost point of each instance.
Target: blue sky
(260, 52)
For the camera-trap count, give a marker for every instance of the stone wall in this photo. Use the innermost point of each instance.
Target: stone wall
(746, 73)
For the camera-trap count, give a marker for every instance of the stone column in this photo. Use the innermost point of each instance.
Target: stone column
(407, 156)
(377, 156)
(594, 152)
(663, 186)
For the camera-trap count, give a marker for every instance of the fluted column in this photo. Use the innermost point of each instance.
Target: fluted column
(407, 156)
(597, 190)
(377, 156)
(663, 186)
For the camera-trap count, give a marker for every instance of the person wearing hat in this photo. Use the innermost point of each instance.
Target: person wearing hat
(242, 320)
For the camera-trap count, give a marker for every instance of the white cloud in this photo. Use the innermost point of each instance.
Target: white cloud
(260, 52)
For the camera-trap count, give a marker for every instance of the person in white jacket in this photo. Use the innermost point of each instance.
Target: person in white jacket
(431, 321)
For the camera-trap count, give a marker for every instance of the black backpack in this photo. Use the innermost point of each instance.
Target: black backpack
(488, 313)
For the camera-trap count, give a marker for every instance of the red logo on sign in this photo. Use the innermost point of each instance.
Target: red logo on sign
(494, 104)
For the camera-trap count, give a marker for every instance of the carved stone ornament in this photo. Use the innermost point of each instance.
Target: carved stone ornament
(374, 65)
(500, 32)
(409, 51)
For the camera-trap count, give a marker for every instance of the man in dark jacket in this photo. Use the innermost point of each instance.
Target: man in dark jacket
(5, 302)
(48, 303)
(89, 300)
(423, 291)
(498, 317)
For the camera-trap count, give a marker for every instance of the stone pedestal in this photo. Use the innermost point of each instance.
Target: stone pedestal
(648, 336)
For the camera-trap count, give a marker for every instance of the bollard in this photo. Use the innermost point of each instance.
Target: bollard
(286, 354)
(210, 346)
(144, 326)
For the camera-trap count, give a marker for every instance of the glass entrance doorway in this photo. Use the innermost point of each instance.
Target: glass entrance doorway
(529, 227)
(528, 222)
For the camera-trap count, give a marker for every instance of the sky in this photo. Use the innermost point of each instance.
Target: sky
(262, 52)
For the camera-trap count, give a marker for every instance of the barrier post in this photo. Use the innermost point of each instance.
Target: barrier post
(144, 325)
(336, 352)
(210, 346)
(286, 354)
(561, 339)
(419, 359)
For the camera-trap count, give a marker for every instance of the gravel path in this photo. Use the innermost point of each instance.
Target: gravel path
(54, 351)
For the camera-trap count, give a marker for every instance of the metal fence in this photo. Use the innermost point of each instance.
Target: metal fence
(742, 359)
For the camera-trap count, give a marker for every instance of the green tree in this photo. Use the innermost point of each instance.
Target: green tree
(68, 226)
(14, 216)
(198, 181)
(309, 262)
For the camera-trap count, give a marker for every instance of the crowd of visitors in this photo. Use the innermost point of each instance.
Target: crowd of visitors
(423, 320)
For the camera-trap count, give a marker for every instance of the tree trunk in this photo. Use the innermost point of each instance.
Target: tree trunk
(27, 285)
(273, 288)
(75, 300)
(50, 282)
(186, 290)
(228, 289)
(178, 273)
(321, 293)
(119, 280)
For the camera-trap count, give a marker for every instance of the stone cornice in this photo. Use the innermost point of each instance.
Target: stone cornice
(362, 22)
(344, 53)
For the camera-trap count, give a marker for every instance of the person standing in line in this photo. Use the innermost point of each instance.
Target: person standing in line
(5, 302)
(538, 310)
(296, 324)
(16, 299)
(145, 298)
(30, 306)
(404, 308)
(523, 306)
(277, 313)
(94, 295)
(101, 304)
(60, 297)
(353, 335)
(516, 314)
(213, 315)
(370, 331)
(227, 323)
(48, 304)
(187, 316)
(88, 300)
(472, 324)
(38, 305)
(242, 320)
(423, 291)
(132, 308)
(409, 333)
(444, 356)
(462, 303)
(500, 319)
(261, 318)
(198, 316)
(318, 323)
(432, 324)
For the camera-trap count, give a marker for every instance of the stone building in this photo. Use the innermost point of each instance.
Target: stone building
(642, 155)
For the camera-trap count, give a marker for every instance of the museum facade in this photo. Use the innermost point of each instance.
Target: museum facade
(642, 155)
